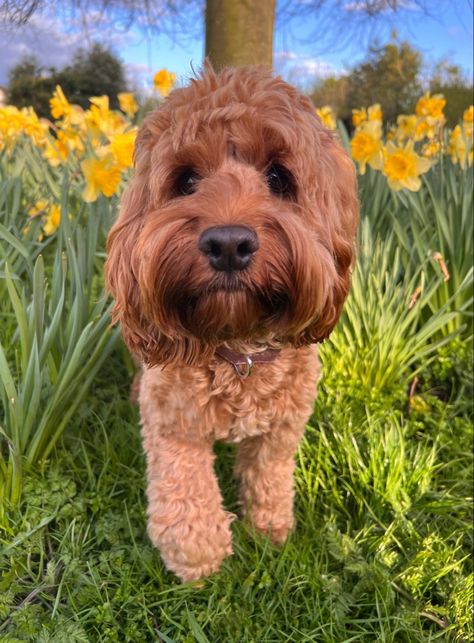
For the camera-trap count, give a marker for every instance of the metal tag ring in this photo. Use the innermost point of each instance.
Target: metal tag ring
(246, 370)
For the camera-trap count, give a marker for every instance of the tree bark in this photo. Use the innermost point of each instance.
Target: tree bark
(239, 32)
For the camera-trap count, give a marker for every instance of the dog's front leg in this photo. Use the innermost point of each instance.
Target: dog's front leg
(265, 466)
(186, 520)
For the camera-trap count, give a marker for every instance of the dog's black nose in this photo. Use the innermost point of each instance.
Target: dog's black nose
(228, 247)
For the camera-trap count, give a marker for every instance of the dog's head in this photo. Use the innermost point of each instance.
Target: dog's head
(239, 222)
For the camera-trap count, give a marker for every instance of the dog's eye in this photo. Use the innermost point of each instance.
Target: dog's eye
(280, 181)
(187, 182)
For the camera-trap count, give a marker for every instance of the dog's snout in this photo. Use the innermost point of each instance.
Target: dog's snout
(228, 248)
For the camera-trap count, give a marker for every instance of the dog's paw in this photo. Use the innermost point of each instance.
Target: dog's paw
(193, 550)
(275, 528)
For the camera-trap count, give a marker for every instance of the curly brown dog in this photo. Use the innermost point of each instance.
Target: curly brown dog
(229, 261)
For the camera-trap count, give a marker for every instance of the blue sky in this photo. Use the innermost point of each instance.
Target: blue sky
(446, 34)
(301, 54)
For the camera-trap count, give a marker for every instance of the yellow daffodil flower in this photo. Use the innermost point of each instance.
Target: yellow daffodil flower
(100, 119)
(406, 126)
(403, 167)
(460, 147)
(164, 81)
(72, 139)
(51, 214)
(374, 113)
(468, 120)
(359, 116)
(431, 106)
(38, 208)
(122, 146)
(327, 116)
(432, 149)
(426, 128)
(59, 104)
(367, 147)
(56, 150)
(52, 221)
(127, 103)
(101, 175)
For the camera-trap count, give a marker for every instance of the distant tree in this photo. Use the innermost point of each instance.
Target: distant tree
(390, 76)
(333, 91)
(93, 73)
(30, 84)
(449, 80)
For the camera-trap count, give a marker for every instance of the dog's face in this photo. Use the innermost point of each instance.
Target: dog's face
(239, 222)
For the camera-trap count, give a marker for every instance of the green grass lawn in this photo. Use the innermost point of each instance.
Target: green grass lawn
(383, 542)
(380, 553)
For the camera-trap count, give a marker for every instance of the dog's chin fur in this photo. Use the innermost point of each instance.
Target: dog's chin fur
(175, 309)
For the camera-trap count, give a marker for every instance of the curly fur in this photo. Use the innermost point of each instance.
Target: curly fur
(174, 309)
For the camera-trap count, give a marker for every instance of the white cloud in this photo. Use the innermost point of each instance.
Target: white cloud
(138, 76)
(301, 70)
(52, 42)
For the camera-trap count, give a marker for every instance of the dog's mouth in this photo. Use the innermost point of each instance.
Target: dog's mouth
(227, 283)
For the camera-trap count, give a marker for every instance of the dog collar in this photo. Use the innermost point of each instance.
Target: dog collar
(243, 364)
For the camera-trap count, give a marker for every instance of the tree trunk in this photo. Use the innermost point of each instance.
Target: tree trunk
(239, 32)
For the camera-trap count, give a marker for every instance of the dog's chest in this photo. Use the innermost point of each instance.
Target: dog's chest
(215, 403)
(240, 408)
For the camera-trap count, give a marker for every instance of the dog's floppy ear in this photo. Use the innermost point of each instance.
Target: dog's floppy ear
(342, 211)
(120, 275)
(120, 272)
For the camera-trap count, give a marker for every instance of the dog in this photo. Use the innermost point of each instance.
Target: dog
(230, 260)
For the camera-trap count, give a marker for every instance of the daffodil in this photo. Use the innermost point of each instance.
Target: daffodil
(72, 139)
(403, 167)
(56, 151)
(122, 146)
(75, 118)
(431, 149)
(374, 112)
(51, 214)
(367, 147)
(431, 106)
(327, 116)
(460, 147)
(59, 104)
(52, 221)
(391, 133)
(38, 208)
(15, 123)
(164, 81)
(101, 175)
(406, 126)
(468, 119)
(100, 119)
(127, 103)
(359, 116)
(426, 128)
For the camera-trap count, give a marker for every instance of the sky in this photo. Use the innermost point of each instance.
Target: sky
(306, 48)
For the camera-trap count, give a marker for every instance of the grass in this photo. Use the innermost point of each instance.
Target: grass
(380, 553)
